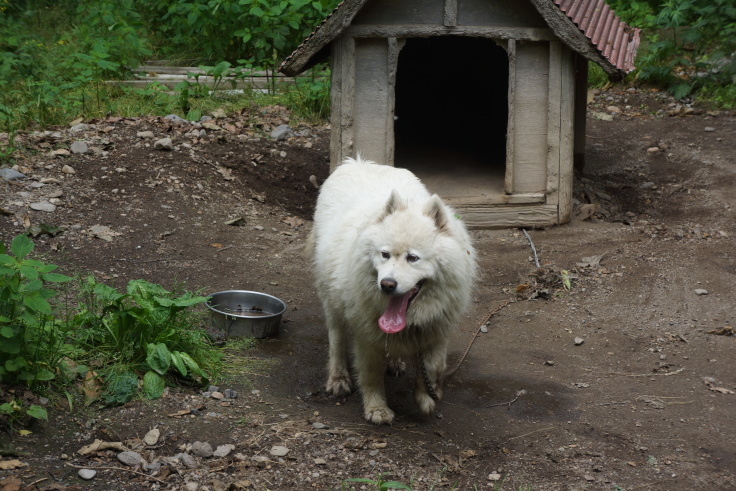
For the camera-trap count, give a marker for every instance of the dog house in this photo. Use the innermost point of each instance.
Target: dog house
(484, 100)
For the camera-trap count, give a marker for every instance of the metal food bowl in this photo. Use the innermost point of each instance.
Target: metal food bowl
(242, 313)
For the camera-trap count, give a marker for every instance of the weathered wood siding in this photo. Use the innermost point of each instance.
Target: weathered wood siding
(499, 13)
(401, 12)
(372, 99)
(531, 86)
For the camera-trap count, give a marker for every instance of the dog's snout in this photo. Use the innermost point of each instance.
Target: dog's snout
(388, 285)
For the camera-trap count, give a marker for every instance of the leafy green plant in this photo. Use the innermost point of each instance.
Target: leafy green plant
(310, 99)
(379, 484)
(147, 330)
(15, 413)
(32, 342)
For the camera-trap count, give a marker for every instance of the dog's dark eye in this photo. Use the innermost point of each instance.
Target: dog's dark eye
(412, 258)
(385, 254)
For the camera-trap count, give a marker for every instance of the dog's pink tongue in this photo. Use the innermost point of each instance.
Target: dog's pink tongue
(393, 319)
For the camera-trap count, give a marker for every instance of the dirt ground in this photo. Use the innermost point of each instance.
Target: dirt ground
(644, 399)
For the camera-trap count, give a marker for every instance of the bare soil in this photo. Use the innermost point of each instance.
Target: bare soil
(643, 400)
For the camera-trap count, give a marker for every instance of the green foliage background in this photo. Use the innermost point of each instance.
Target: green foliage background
(56, 54)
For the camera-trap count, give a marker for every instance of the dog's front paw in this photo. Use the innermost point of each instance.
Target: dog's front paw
(379, 415)
(425, 402)
(339, 385)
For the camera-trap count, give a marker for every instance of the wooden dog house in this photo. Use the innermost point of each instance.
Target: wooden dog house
(483, 99)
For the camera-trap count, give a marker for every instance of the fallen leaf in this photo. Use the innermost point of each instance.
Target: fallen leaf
(216, 245)
(103, 232)
(587, 211)
(7, 465)
(293, 222)
(99, 445)
(723, 331)
(92, 387)
(467, 454)
(226, 173)
(25, 432)
(236, 222)
(179, 414)
(10, 483)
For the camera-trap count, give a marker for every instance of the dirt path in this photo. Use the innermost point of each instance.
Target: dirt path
(646, 401)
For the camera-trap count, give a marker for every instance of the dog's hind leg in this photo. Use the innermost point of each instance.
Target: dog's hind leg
(339, 383)
(370, 365)
(430, 373)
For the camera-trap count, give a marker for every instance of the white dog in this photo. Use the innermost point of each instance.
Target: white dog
(395, 269)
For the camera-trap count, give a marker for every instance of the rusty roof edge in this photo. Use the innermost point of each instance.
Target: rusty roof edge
(604, 29)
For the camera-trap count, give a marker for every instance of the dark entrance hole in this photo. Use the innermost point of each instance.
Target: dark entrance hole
(451, 114)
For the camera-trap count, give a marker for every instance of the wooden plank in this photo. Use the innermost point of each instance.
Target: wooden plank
(567, 135)
(553, 121)
(423, 31)
(487, 217)
(510, 128)
(394, 49)
(530, 130)
(495, 199)
(450, 13)
(342, 100)
(371, 99)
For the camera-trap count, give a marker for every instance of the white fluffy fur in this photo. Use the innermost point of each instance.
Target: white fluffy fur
(364, 211)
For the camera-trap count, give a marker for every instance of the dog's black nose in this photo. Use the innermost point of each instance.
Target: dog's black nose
(388, 285)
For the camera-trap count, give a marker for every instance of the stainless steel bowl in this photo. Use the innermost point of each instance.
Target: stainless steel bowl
(244, 313)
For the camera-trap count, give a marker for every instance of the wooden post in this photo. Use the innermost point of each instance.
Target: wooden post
(509, 174)
(581, 106)
(450, 13)
(342, 97)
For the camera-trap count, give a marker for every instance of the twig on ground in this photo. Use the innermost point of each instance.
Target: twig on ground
(534, 249)
(679, 370)
(527, 434)
(611, 403)
(508, 404)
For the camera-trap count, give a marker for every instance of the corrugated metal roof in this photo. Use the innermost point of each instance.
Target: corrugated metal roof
(611, 37)
(616, 41)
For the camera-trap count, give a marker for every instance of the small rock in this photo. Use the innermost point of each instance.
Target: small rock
(131, 459)
(647, 185)
(175, 119)
(279, 451)
(313, 180)
(230, 393)
(210, 126)
(494, 476)
(549, 363)
(202, 449)
(217, 395)
(164, 144)
(144, 134)
(701, 291)
(320, 462)
(213, 388)
(579, 341)
(62, 152)
(191, 486)
(653, 150)
(77, 128)
(709, 129)
(9, 174)
(319, 426)
(308, 145)
(282, 132)
(614, 109)
(87, 474)
(261, 459)
(68, 169)
(43, 206)
(219, 113)
(152, 437)
(223, 450)
(79, 147)
(187, 460)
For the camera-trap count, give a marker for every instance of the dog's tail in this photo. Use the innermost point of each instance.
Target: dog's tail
(357, 160)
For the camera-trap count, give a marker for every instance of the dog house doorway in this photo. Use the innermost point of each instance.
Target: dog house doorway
(452, 115)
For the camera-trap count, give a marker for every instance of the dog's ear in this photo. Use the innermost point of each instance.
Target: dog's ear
(435, 210)
(395, 203)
